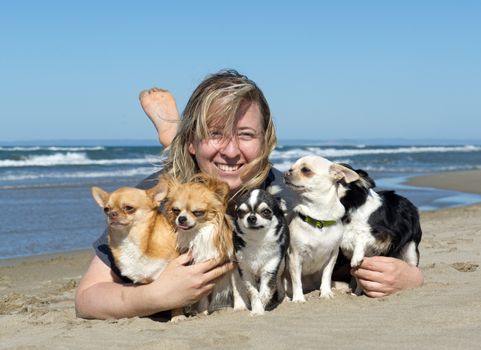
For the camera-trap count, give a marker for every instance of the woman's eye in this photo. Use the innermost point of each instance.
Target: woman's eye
(128, 209)
(198, 213)
(216, 135)
(246, 136)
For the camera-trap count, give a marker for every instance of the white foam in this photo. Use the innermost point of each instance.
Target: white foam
(52, 148)
(71, 158)
(286, 164)
(144, 171)
(349, 152)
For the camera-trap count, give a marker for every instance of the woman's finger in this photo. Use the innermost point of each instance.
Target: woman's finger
(183, 259)
(373, 286)
(365, 274)
(377, 263)
(216, 273)
(373, 294)
(206, 289)
(207, 265)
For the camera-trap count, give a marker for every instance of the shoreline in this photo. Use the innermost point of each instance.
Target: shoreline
(460, 181)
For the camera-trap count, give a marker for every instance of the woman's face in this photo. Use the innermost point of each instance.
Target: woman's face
(224, 156)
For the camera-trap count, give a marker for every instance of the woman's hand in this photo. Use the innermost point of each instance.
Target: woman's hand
(381, 276)
(102, 295)
(182, 284)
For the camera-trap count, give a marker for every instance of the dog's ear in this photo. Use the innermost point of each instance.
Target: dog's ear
(366, 180)
(100, 196)
(220, 188)
(282, 204)
(160, 190)
(340, 172)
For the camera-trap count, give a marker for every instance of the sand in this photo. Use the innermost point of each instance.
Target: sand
(37, 303)
(462, 181)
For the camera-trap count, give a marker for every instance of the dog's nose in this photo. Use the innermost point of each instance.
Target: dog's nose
(113, 214)
(288, 172)
(182, 220)
(252, 219)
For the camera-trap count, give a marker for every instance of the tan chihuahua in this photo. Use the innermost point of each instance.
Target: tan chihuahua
(197, 209)
(141, 239)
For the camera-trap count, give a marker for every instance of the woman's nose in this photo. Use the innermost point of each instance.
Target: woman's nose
(230, 148)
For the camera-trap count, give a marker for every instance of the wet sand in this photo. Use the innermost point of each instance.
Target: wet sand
(461, 181)
(37, 302)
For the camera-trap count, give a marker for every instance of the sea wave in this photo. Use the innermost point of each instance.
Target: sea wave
(71, 158)
(143, 171)
(51, 148)
(286, 164)
(349, 152)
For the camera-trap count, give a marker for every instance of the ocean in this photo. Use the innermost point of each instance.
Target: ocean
(46, 205)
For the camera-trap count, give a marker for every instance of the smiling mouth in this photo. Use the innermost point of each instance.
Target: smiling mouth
(228, 168)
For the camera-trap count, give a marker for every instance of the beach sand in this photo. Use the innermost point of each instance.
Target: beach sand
(462, 181)
(37, 303)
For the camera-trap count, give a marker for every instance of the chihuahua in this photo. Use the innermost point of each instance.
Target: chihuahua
(316, 228)
(261, 238)
(197, 210)
(141, 239)
(377, 223)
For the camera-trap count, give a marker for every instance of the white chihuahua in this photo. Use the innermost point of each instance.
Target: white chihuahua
(316, 228)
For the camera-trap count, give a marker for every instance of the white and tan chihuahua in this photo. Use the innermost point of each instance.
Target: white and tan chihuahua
(197, 210)
(316, 228)
(141, 239)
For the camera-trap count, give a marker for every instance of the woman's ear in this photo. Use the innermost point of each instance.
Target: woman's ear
(191, 149)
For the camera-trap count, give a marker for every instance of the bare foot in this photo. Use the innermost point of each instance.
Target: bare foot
(160, 107)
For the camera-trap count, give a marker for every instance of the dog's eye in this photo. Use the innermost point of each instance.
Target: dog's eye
(128, 209)
(240, 213)
(175, 211)
(266, 213)
(306, 171)
(198, 213)
(106, 210)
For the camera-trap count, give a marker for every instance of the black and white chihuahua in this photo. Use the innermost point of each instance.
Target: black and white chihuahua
(377, 223)
(261, 239)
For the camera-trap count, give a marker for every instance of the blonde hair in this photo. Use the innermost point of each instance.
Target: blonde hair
(216, 102)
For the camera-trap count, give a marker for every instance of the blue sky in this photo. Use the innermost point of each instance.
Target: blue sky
(329, 69)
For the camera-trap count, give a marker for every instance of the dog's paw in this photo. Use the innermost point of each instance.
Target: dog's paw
(356, 261)
(257, 312)
(178, 318)
(298, 299)
(257, 308)
(327, 294)
(241, 307)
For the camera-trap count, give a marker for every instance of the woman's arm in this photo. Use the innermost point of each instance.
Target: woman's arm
(102, 295)
(381, 276)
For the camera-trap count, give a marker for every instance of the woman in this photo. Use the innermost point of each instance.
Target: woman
(227, 132)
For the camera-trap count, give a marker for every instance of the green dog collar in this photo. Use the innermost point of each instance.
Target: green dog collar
(317, 223)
